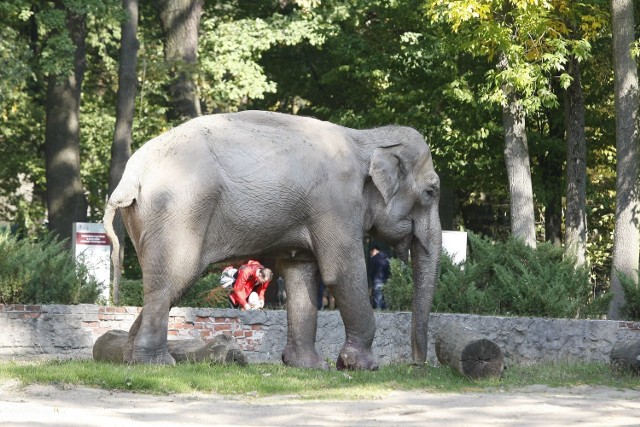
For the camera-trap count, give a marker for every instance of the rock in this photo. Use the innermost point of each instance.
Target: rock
(109, 347)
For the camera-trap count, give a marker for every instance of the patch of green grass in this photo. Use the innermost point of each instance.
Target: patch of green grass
(273, 379)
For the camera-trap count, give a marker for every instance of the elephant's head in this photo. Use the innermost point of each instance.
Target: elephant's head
(405, 213)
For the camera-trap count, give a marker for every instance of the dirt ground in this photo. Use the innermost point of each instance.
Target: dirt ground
(39, 405)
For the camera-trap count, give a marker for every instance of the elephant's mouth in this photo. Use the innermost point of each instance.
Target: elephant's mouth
(402, 248)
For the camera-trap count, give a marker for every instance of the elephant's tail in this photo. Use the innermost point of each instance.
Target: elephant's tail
(122, 197)
(109, 214)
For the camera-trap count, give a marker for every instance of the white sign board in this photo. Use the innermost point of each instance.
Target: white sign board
(455, 244)
(92, 248)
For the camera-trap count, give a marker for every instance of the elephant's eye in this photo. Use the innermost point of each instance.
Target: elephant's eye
(430, 192)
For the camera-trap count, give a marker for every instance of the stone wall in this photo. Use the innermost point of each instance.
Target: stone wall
(68, 332)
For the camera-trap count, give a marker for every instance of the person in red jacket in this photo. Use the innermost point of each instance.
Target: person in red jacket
(252, 277)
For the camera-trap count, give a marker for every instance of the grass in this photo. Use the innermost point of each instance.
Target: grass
(273, 379)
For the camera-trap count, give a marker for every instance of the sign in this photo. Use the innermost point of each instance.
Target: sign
(455, 244)
(92, 248)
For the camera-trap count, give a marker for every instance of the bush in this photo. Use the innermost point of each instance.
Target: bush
(506, 278)
(206, 292)
(130, 292)
(398, 291)
(631, 308)
(42, 272)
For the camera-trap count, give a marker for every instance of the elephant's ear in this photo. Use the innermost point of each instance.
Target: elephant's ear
(385, 170)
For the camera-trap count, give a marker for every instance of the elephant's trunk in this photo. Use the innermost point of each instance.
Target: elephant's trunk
(425, 254)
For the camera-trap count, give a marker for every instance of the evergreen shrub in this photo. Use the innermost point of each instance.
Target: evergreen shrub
(506, 278)
(130, 292)
(631, 309)
(42, 272)
(206, 293)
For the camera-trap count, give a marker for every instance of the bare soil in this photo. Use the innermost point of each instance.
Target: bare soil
(50, 405)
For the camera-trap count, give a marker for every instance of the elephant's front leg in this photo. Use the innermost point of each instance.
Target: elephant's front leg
(359, 323)
(301, 284)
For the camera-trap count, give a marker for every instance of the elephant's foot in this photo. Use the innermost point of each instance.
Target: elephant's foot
(353, 357)
(303, 359)
(153, 356)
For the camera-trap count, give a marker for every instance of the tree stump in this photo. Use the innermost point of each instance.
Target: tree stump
(467, 352)
(626, 354)
(221, 349)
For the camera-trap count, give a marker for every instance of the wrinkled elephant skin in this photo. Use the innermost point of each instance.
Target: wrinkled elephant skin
(226, 187)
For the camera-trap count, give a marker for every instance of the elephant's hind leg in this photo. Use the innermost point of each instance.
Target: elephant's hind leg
(150, 342)
(165, 277)
(301, 283)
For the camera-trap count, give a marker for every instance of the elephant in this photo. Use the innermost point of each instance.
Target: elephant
(299, 190)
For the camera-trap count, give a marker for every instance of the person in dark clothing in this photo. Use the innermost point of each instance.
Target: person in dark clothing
(378, 274)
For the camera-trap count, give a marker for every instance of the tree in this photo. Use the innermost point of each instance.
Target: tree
(626, 244)
(125, 109)
(576, 215)
(66, 202)
(516, 156)
(515, 34)
(180, 22)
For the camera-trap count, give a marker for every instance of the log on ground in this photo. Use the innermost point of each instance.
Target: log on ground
(221, 349)
(626, 354)
(468, 352)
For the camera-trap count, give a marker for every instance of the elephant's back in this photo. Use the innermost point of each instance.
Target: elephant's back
(253, 151)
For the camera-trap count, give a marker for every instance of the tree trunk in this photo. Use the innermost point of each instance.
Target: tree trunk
(221, 349)
(125, 109)
(180, 21)
(575, 231)
(516, 154)
(626, 235)
(551, 163)
(66, 202)
(467, 352)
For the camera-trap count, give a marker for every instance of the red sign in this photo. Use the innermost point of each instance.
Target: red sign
(92, 239)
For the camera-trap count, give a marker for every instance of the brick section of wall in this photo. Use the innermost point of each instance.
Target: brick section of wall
(33, 330)
(59, 331)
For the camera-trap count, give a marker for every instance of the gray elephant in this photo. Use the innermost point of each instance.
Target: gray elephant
(303, 191)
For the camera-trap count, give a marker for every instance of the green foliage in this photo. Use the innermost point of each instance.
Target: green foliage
(131, 292)
(42, 273)
(398, 291)
(631, 308)
(506, 278)
(230, 72)
(206, 292)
